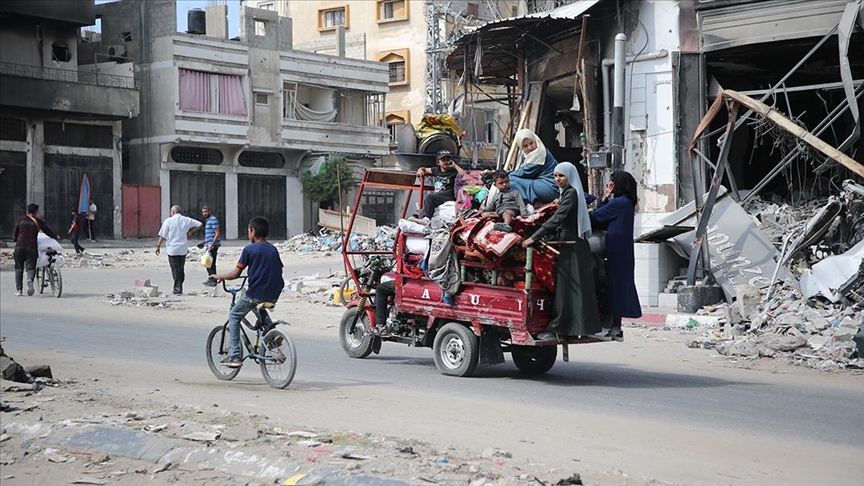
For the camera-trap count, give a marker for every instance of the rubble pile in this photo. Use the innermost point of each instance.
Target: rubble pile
(126, 258)
(807, 332)
(330, 240)
(143, 295)
(313, 289)
(776, 219)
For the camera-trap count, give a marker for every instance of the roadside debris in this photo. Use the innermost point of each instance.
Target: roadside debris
(330, 240)
(806, 332)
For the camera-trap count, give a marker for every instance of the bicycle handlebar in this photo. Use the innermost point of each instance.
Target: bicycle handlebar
(234, 290)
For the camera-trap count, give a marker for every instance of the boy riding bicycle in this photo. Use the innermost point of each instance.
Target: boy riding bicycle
(264, 272)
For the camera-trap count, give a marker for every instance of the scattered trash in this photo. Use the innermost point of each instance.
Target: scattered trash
(203, 436)
(88, 481)
(576, 478)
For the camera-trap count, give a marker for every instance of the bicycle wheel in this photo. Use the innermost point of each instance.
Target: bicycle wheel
(55, 279)
(217, 349)
(280, 362)
(40, 279)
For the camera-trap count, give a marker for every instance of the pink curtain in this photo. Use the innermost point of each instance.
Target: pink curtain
(231, 97)
(195, 91)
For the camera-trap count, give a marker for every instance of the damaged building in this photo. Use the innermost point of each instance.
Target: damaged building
(61, 114)
(557, 64)
(233, 122)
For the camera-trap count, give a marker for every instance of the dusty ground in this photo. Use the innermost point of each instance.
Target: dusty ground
(182, 405)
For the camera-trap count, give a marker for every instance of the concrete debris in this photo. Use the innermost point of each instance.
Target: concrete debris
(313, 289)
(139, 299)
(330, 240)
(807, 332)
(12, 370)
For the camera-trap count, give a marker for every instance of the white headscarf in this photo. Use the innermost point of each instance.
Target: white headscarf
(583, 220)
(536, 156)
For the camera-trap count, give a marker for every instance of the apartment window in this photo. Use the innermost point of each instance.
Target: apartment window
(60, 53)
(472, 9)
(262, 99)
(481, 126)
(330, 18)
(267, 6)
(212, 93)
(392, 10)
(514, 11)
(399, 66)
(260, 28)
(395, 122)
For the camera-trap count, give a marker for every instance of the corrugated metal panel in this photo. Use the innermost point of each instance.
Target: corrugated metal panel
(260, 195)
(13, 189)
(768, 21)
(192, 190)
(63, 174)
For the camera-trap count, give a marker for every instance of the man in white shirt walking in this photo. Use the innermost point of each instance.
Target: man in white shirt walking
(175, 232)
(91, 219)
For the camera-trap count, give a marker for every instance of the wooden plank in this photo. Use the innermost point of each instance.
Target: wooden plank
(509, 165)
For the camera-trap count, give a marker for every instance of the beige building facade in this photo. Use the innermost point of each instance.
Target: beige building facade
(397, 32)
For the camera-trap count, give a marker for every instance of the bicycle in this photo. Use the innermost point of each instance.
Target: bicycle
(272, 349)
(50, 275)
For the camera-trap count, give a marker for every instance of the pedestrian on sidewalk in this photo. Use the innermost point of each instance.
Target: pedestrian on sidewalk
(615, 213)
(264, 271)
(75, 231)
(26, 236)
(175, 232)
(91, 220)
(212, 241)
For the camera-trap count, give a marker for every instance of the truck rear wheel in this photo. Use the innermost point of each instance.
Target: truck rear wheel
(534, 360)
(456, 349)
(354, 333)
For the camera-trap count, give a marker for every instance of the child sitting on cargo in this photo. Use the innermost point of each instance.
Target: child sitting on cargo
(444, 179)
(507, 203)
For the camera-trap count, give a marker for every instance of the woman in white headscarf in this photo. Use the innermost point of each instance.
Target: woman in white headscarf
(534, 179)
(575, 310)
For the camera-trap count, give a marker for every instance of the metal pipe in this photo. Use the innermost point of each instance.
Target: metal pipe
(618, 104)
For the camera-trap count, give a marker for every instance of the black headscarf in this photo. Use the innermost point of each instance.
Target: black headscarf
(625, 184)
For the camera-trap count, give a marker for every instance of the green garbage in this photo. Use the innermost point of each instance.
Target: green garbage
(692, 324)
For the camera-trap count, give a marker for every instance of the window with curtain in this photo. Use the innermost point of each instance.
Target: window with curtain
(330, 18)
(212, 93)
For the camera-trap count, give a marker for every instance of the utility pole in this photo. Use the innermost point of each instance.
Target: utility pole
(435, 48)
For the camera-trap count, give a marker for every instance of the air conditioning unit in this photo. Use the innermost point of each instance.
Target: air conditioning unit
(114, 51)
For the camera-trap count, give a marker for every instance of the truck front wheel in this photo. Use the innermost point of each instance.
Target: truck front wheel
(354, 333)
(534, 360)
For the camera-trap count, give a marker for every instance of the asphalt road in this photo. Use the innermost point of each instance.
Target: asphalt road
(649, 382)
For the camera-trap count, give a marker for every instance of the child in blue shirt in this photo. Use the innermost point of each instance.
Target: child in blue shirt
(265, 283)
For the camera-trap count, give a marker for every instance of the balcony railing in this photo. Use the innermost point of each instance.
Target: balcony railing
(68, 75)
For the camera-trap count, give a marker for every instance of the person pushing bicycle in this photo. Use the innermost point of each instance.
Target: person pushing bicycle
(264, 271)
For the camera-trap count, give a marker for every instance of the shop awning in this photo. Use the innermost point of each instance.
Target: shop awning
(499, 41)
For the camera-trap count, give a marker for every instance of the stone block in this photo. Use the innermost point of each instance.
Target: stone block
(693, 298)
(747, 298)
(13, 371)
(39, 371)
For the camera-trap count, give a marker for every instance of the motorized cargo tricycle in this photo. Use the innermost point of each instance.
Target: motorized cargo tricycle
(476, 326)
